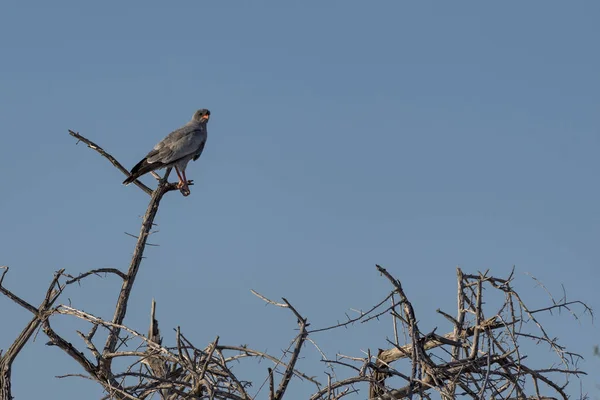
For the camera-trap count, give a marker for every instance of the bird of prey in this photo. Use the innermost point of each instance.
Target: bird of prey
(176, 150)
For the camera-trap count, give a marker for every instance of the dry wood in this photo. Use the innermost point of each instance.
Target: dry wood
(40, 315)
(479, 356)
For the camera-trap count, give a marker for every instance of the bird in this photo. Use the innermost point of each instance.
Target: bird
(176, 150)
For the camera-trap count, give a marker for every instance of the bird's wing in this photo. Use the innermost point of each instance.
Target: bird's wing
(199, 153)
(178, 144)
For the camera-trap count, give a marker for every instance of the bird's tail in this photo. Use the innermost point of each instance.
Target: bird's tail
(130, 179)
(140, 169)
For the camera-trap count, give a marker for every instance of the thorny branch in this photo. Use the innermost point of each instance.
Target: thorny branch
(102, 371)
(445, 363)
(40, 315)
(97, 272)
(479, 357)
(110, 158)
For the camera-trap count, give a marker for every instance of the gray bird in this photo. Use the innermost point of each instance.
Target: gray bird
(176, 150)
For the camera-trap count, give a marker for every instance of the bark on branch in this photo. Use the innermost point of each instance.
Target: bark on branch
(40, 315)
(480, 356)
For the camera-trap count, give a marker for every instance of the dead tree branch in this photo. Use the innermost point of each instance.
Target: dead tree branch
(110, 158)
(479, 357)
(40, 315)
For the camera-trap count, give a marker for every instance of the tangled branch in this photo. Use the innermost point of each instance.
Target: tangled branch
(480, 355)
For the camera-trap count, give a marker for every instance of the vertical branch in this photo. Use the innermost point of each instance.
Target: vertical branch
(412, 328)
(478, 315)
(395, 321)
(459, 322)
(289, 371)
(121, 308)
(271, 384)
(156, 363)
(460, 314)
(5, 386)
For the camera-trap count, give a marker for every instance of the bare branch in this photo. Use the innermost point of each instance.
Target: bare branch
(13, 296)
(97, 272)
(260, 296)
(121, 308)
(287, 375)
(110, 158)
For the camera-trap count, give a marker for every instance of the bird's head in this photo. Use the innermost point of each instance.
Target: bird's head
(201, 115)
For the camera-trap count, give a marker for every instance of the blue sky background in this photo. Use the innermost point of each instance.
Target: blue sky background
(418, 136)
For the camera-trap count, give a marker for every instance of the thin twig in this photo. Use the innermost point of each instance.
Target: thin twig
(110, 158)
(97, 272)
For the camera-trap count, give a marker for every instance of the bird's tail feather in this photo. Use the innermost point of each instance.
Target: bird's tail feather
(130, 179)
(140, 169)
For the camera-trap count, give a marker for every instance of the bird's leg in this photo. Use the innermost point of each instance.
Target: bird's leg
(186, 189)
(182, 184)
(181, 181)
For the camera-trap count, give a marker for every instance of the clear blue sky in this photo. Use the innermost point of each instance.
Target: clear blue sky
(418, 136)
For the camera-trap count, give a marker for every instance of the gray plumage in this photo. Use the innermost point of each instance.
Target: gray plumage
(176, 149)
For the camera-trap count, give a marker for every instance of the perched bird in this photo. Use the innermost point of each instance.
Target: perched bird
(176, 150)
